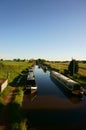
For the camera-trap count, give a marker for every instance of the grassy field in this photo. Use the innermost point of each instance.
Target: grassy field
(12, 69)
(82, 69)
(61, 66)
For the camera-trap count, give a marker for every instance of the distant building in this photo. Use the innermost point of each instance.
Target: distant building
(3, 84)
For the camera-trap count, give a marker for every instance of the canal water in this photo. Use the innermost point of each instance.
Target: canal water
(52, 108)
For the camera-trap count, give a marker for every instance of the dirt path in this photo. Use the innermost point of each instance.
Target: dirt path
(4, 117)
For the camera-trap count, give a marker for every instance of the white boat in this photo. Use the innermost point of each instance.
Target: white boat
(31, 83)
(30, 74)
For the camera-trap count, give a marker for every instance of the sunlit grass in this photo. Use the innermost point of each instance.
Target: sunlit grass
(11, 69)
(59, 66)
(5, 91)
(82, 65)
(82, 72)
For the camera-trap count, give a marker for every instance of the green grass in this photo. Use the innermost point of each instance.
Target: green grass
(5, 91)
(12, 69)
(17, 120)
(59, 66)
(82, 65)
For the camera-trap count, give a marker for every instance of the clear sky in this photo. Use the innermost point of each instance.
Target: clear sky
(48, 29)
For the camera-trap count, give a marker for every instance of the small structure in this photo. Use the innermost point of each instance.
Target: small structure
(3, 84)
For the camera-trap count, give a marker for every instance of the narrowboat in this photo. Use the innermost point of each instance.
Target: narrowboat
(31, 85)
(72, 86)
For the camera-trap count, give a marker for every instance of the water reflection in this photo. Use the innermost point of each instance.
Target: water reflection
(31, 96)
(51, 108)
(45, 85)
(72, 98)
(54, 120)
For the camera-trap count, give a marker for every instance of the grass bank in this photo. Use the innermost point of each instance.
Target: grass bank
(13, 70)
(17, 118)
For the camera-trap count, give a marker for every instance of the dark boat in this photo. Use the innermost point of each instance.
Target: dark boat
(31, 86)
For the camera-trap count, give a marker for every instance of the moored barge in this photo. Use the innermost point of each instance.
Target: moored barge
(31, 85)
(70, 85)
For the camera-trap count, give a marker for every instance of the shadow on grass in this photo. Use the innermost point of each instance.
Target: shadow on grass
(73, 99)
(20, 80)
(1, 105)
(82, 78)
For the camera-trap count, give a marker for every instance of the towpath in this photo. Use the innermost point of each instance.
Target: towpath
(4, 117)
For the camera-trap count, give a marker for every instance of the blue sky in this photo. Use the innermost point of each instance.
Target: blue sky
(48, 29)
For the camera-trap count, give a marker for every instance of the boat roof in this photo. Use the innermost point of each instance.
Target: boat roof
(31, 82)
(64, 77)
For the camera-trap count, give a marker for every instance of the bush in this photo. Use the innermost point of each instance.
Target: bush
(73, 67)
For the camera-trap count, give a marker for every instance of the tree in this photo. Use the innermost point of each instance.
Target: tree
(73, 67)
(1, 59)
(40, 61)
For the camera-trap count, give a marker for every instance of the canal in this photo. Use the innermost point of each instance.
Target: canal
(52, 108)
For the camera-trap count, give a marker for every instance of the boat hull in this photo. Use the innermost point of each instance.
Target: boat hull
(66, 88)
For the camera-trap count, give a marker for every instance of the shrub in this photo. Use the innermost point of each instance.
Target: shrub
(73, 67)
